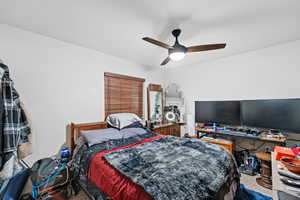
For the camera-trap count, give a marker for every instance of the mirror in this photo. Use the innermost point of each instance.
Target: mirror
(155, 102)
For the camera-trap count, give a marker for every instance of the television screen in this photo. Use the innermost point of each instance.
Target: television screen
(282, 114)
(221, 112)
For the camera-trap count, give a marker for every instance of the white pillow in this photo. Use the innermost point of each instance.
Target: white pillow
(121, 120)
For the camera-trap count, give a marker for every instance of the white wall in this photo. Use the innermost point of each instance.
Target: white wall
(60, 83)
(268, 73)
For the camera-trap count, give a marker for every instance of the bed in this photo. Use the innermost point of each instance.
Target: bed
(150, 166)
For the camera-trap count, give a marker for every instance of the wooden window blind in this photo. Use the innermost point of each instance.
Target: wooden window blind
(123, 94)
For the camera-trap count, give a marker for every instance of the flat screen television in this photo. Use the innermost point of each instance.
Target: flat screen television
(281, 114)
(221, 112)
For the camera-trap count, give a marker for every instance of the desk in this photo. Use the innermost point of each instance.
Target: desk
(237, 134)
(277, 184)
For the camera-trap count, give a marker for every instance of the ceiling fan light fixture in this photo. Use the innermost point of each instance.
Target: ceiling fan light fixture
(177, 51)
(176, 56)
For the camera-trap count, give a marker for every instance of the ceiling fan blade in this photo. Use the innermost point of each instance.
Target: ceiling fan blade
(206, 47)
(165, 61)
(158, 43)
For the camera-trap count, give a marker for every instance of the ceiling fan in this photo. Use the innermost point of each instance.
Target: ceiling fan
(178, 51)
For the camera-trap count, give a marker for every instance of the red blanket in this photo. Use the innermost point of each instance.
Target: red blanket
(112, 182)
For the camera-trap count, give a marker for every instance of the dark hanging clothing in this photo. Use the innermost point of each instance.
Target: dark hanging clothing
(14, 123)
(1, 131)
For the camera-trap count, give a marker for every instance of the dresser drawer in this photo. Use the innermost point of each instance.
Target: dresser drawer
(163, 131)
(175, 130)
(157, 130)
(169, 129)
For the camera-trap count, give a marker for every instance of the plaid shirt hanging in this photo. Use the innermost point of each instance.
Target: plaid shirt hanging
(15, 126)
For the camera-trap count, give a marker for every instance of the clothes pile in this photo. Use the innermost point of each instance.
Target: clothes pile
(15, 131)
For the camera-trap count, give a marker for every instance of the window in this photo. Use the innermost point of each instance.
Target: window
(123, 94)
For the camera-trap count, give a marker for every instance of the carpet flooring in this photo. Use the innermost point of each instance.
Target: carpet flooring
(248, 181)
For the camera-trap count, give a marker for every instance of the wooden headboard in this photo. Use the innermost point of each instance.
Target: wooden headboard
(73, 131)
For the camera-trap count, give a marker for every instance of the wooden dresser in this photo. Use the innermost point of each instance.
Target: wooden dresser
(167, 129)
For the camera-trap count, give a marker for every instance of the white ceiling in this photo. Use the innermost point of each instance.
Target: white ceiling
(116, 26)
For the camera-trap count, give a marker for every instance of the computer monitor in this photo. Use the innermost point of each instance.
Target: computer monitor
(281, 114)
(221, 112)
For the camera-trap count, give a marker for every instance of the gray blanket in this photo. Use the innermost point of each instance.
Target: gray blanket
(176, 168)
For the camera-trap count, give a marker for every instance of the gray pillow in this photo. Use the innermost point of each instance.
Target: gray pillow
(130, 132)
(121, 120)
(100, 135)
